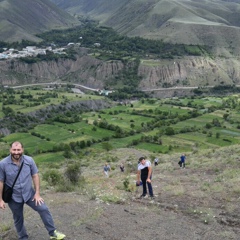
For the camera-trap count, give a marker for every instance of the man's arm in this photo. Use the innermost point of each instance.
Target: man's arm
(2, 203)
(138, 176)
(1, 189)
(149, 174)
(36, 182)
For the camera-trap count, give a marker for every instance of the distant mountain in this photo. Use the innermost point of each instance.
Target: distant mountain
(23, 19)
(205, 22)
(93, 8)
(214, 23)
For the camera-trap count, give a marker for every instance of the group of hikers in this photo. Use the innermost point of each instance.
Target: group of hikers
(144, 173)
(21, 169)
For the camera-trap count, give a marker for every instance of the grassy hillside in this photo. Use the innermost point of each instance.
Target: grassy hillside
(23, 19)
(212, 23)
(91, 7)
(204, 198)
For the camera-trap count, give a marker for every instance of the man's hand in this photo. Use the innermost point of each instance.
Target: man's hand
(38, 200)
(149, 180)
(2, 204)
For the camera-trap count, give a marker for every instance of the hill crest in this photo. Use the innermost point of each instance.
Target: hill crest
(211, 23)
(23, 19)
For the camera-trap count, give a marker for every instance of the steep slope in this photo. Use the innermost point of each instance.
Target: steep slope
(23, 19)
(100, 9)
(199, 202)
(213, 23)
(86, 70)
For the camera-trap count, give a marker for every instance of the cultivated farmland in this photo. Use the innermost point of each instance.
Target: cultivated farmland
(160, 126)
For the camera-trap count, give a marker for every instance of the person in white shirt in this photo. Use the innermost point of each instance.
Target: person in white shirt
(144, 173)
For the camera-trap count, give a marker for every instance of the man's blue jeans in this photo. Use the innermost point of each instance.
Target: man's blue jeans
(145, 184)
(17, 211)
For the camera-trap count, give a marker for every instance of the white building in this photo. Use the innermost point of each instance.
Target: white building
(3, 56)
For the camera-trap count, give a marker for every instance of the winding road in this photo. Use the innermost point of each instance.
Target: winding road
(54, 83)
(95, 90)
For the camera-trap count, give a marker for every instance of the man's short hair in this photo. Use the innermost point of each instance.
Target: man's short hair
(16, 142)
(141, 158)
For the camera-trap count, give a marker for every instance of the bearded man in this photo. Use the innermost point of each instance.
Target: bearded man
(23, 191)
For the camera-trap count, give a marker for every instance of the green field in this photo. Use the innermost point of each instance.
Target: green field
(164, 126)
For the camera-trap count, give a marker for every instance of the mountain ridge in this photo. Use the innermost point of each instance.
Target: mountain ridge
(210, 23)
(23, 19)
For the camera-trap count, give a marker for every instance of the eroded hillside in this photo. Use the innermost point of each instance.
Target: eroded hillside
(190, 71)
(95, 73)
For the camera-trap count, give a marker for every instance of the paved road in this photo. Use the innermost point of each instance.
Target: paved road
(94, 89)
(54, 83)
(173, 88)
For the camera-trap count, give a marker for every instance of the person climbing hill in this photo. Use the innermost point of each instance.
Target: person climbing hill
(144, 173)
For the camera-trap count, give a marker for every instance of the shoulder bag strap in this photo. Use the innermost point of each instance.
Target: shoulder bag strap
(17, 175)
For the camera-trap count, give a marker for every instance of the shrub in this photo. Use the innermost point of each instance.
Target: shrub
(52, 176)
(73, 173)
(91, 193)
(65, 186)
(126, 184)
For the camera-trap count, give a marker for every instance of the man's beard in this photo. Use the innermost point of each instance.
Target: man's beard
(16, 156)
